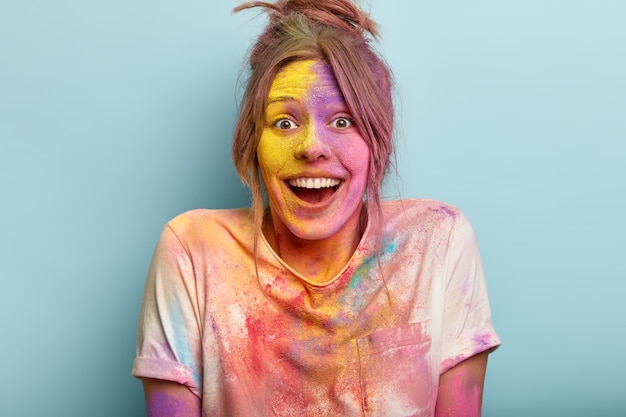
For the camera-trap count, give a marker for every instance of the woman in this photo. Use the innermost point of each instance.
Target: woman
(328, 302)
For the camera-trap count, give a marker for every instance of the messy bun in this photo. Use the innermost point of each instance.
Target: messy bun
(339, 34)
(343, 15)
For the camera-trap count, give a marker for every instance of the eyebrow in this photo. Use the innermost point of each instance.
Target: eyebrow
(278, 99)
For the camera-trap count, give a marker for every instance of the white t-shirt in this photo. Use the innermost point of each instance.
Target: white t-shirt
(373, 341)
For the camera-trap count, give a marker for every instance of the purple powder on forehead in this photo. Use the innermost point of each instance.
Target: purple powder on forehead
(325, 74)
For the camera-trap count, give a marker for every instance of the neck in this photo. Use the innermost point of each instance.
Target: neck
(319, 261)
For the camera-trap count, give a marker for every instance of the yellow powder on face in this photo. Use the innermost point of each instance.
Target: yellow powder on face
(292, 84)
(293, 81)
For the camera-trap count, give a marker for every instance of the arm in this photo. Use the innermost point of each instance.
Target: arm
(170, 399)
(168, 325)
(461, 388)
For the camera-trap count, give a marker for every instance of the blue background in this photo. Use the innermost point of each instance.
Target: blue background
(116, 116)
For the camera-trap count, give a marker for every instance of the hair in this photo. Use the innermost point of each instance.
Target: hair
(339, 34)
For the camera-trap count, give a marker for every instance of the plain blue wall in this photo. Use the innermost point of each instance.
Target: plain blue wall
(115, 116)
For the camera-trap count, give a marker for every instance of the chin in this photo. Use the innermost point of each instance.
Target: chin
(320, 231)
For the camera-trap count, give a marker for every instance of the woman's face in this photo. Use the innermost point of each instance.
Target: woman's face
(312, 158)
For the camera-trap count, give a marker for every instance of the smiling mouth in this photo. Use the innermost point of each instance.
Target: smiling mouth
(314, 190)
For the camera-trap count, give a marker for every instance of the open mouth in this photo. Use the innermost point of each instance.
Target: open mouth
(314, 190)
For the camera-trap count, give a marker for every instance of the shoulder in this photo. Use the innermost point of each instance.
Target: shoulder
(421, 213)
(205, 217)
(426, 220)
(203, 225)
(421, 205)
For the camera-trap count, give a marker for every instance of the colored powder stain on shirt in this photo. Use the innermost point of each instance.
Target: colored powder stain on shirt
(255, 334)
(448, 211)
(390, 249)
(182, 343)
(357, 277)
(483, 339)
(292, 348)
(371, 264)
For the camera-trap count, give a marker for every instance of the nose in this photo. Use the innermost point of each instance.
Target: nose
(312, 147)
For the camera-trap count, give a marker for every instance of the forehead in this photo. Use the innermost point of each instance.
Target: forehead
(302, 79)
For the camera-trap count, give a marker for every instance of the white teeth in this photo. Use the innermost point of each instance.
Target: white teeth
(316, 183)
